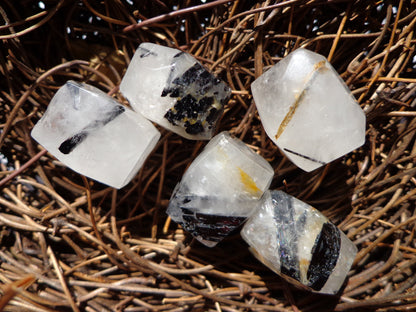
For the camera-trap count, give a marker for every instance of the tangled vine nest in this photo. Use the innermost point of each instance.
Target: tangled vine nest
(71, 244)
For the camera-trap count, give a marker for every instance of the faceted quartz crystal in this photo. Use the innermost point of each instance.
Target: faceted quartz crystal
(299, 243)
(172, 89)
(91, 133)
(220, 189)
(308, 111)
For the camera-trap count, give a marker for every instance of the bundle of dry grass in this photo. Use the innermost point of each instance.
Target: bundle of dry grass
(68, 243)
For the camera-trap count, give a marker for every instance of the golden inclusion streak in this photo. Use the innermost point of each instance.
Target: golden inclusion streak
(248, 182)
(292, 109)
(289, 115)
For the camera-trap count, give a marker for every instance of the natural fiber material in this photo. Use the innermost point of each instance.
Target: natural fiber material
(68, 243)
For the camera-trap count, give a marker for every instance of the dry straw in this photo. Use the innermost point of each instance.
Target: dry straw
(71, 244)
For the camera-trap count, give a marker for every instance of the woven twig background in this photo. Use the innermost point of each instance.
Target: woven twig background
(71, 244)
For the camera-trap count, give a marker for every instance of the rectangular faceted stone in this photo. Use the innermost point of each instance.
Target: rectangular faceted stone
(299, 243)
(308, 111)
(174, 90)
(220, 189)
(92, 134)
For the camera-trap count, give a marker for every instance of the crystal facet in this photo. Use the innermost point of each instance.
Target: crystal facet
(299, 243)
(220, 189)
(173, 89)
(308, 111)
(91, 133)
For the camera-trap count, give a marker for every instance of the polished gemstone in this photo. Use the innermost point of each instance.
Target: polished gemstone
(92, 134)
(307, 110)
(173, 89)
(299, 243)
(220, 189)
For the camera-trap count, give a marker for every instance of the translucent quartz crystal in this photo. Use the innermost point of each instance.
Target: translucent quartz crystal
(91, 133)
(220, 189)
(299, 243)
(172, 88)
(308, 111)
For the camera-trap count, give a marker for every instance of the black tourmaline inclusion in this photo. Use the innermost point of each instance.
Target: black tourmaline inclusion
(325, 253)
(287, 235)
(69, 144)
(206, 226)
(146, 52)
(198, 105)
(209, 227)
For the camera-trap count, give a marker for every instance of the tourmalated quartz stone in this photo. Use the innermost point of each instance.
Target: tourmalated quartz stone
(299, 243)
(307, 110)
(92, 134)
(173, 89)
(220, 189)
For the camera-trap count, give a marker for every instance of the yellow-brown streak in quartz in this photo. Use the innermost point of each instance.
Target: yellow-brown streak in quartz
(289, 115)
(318, 66)
(303, 268)
(249, 183)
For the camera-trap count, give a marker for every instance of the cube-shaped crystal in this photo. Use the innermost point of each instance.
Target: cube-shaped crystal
(220, 189)
(299, 243)
(308, 111)
(92, 134)
(173, 89)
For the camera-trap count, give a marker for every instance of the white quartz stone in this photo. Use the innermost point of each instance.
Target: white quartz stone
(299, 243)
(172, 89)
(308, 111)
(92, 134)
(220, 189)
